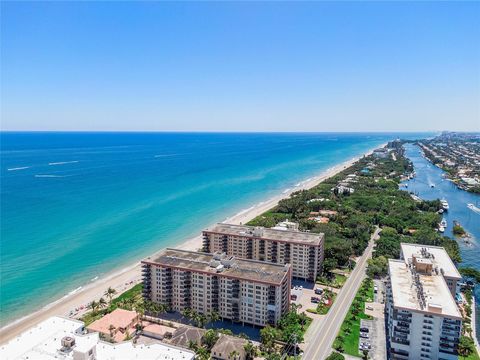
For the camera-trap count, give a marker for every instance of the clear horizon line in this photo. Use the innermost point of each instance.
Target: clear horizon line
(236, 131)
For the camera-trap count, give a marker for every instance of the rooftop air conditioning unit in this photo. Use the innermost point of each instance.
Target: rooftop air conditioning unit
(68, 342)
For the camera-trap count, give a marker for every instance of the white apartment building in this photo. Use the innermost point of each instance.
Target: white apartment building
(304, 251)
(245, 291)
(424, 321)
(440, 260)
(66, 339)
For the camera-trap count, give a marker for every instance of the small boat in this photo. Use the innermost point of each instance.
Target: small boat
(443, 223)
(473, 208)
(440, 211)
(441, 229)
(445, 205)
(432, 185)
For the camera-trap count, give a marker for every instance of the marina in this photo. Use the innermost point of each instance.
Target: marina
(460, 207)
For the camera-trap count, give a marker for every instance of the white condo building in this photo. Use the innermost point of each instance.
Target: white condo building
(280, 245)
(424, 321)
(59, 338)
(246, 291)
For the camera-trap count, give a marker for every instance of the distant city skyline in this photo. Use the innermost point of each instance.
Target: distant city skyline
(280, 67)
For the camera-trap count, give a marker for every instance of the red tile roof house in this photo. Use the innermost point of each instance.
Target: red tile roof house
(115, 326)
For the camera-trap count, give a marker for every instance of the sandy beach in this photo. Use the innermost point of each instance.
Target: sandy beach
(129, 276)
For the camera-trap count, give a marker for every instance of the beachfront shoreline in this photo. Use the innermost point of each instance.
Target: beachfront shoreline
(127, 277)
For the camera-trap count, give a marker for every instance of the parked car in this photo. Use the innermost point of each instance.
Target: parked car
(369, 308)
(315, 299)
(364, 335)
(293, 297)
(319, 291)
(364, 329)
(365, 346)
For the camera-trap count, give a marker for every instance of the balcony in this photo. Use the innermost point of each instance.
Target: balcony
(400, 341)
(449, 339)
(401, 330)
(448, 351)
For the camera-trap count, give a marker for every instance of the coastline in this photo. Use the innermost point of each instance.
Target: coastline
(123, 279)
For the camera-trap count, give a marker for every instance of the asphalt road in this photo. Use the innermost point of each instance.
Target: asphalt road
(322, 334)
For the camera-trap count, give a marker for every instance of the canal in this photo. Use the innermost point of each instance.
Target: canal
(421, 185)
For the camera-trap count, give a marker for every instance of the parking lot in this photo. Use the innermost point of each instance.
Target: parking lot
(302, 293)
(375, 342)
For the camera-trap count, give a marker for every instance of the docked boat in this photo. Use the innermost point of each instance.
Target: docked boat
(445, 205)
(441, 229)
(443, 223)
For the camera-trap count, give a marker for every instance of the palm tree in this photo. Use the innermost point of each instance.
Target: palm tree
(140, 310)
(129, 303)
(111, 328)
(93, 306)
(250, 350)
(200, 320)
(213, 316)
(233, 355)
(192, 345)
(202, 353)
(210, 338)
(187, 313)
(102, 303)
(109, 293)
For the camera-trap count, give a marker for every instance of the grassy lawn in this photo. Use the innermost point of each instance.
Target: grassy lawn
(348, 337)
(134, 292)
(334, 280)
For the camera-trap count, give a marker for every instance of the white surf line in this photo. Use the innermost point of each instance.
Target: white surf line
(63, 162)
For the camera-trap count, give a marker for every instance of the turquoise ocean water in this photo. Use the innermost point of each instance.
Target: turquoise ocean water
(75, 206)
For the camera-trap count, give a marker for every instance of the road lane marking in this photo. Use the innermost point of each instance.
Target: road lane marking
(350, 292)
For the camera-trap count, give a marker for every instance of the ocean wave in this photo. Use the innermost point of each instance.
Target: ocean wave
(165, 155)
(63, 162)
(286, 191)
(18, 168)
(245, 210)
(76, 290)
(49, 176)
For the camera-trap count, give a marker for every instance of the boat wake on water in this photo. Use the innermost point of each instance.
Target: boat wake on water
(473, 208)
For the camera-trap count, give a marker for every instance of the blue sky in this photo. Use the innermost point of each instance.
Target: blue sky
(374, 66)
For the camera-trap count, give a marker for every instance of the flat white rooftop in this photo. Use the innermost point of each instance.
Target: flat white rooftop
(43, 342)
(440, 257)
(288, 236)
(407, 292)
